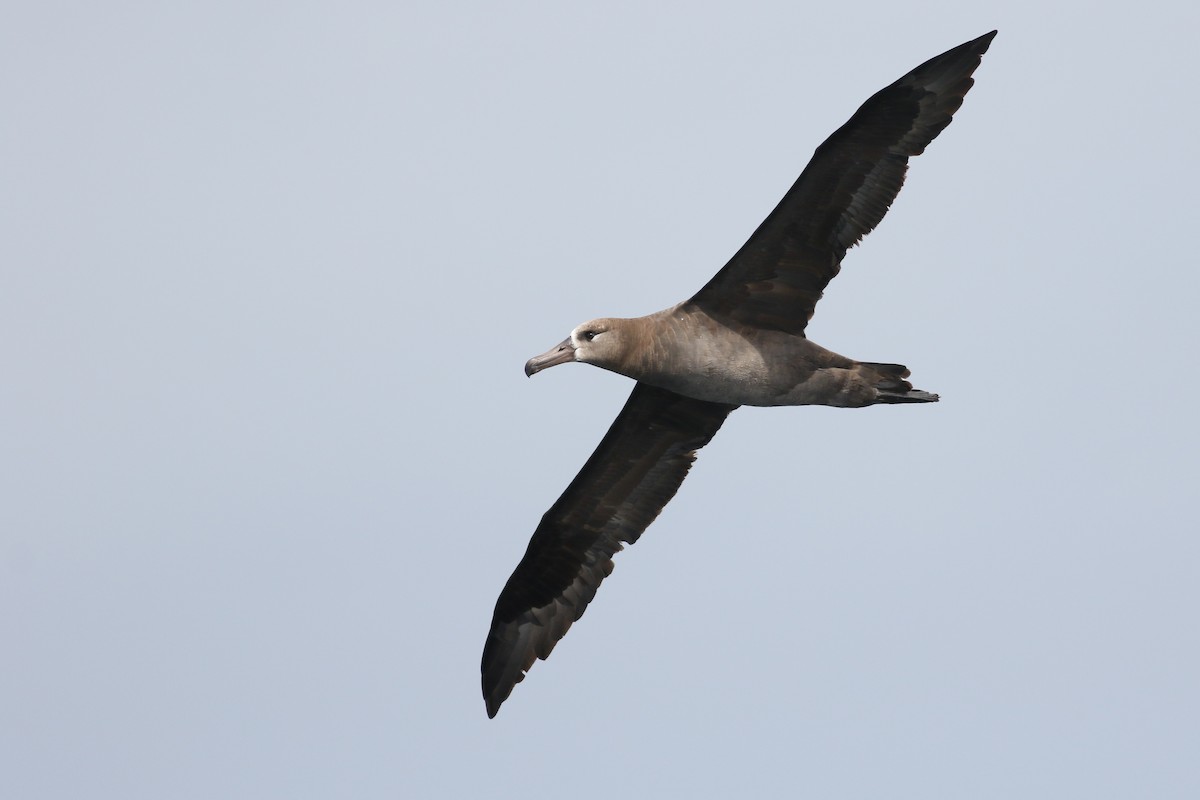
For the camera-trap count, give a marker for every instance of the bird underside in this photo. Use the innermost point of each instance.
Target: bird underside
(797, 372)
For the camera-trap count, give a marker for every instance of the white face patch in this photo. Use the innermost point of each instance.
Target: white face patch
(578, 340)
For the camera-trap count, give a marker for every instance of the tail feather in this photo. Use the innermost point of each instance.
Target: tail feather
(911, 396)
(892, 387)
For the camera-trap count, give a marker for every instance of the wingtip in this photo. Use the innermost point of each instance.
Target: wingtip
(493, 699)
(493, 695)
(982, 43)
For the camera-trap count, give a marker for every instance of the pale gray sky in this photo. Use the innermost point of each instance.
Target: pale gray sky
(269, 274)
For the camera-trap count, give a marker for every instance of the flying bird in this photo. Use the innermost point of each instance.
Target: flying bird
(738, 341)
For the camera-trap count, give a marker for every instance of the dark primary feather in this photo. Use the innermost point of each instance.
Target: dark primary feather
(637, 468)
(776, 278)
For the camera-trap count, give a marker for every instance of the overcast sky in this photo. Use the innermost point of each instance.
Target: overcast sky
(268, 276)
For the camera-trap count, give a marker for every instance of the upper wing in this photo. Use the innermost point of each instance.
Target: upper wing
(777, 277)
(635, 471)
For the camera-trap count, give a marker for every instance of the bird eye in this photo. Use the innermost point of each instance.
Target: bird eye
(589, 335)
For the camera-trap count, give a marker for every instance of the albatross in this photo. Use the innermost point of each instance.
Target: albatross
(738, 341)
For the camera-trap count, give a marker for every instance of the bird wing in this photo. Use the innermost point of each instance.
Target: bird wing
(635, 471)
(776, 278)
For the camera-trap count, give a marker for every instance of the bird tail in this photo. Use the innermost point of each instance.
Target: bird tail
(892, 387)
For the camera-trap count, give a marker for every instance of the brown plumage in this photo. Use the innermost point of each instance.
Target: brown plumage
(739, 341)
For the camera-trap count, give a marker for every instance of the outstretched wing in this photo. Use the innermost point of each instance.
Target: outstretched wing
(776, 278)
(635, 471)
